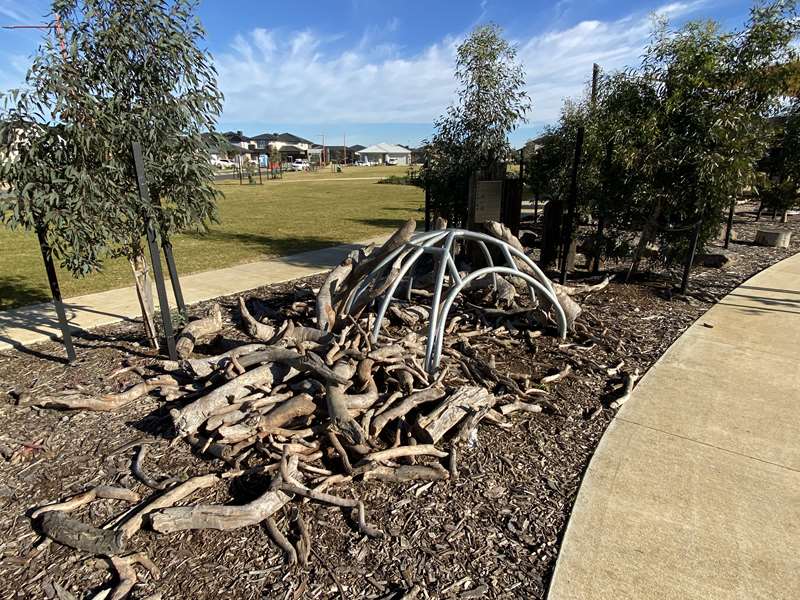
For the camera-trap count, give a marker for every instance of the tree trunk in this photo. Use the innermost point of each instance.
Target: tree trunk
(647, 236)
(144, 292)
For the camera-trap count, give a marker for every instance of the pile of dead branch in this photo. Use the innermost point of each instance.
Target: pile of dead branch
(313, 404)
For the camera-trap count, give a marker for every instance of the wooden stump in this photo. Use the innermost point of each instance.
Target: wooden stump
(774, 238)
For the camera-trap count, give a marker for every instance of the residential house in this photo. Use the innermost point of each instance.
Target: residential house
(286, 144)
(383, 154)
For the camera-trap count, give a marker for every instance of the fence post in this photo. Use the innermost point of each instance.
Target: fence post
(572, 205)
(55, 291)
(730, 223)
(427, 201)
(155, 255)
(688, 266)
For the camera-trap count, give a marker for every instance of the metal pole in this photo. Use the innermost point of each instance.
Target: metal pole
(260, 180)
(595, 78)
(730, 223)
(688, 267)
(55, 290)
(155, 256)
(427, 204)
(239, 163)
(573, 203)
(166, 246)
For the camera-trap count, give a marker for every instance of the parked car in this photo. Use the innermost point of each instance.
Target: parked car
(222, 163)
(391, 161)
(300, 164)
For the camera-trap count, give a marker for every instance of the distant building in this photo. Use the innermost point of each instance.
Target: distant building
(385, 154)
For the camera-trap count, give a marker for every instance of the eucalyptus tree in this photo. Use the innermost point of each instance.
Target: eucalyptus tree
(715, 91)
(473, 133)
(116, 71)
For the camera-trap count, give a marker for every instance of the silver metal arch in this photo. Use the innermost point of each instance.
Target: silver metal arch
(421, 243)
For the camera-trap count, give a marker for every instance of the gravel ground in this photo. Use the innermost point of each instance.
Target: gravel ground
(493, 532)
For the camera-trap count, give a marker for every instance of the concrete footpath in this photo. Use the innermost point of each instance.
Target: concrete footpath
(28, 325)
(694, 490)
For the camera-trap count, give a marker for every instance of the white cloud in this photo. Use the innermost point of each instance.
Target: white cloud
(303, 78)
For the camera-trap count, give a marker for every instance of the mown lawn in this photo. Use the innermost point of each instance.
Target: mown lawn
(256, 222)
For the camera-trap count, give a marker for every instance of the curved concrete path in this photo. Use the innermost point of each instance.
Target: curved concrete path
(694, 490)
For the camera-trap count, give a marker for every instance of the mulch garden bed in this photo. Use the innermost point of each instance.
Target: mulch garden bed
(494, 531)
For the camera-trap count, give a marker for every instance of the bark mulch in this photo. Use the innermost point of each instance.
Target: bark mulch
(493, 532)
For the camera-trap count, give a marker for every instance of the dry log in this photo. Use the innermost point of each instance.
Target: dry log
(309, 363)
(188, 419)
(406, 473)
(298, 335)
(101, 491)
(630, 381)
(298, 406)
(304, 543)
(341, 421)
(507, 409)
(572, 309)
(202, 367)
(434, 426)
(391, 453)
(558, 376)
(363, 267)
(406, 406)
(127, 574)
(138, 471)
(198, 330)
(253, 328)
(73, 533)
(325, 310)
(105, 403)
(223, 517)
(357, 403)
(576, 290)
(356, 505)
(280, 540)
(168, 498)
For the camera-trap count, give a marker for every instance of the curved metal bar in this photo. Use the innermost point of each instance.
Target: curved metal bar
(389, 294)
(444, 260)
(427, 240)
(437, 341)
(488, 256)
(539, 275)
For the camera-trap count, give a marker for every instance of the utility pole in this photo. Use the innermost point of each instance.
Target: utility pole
(344, 147)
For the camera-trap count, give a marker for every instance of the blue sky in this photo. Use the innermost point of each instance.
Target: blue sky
(382, 71)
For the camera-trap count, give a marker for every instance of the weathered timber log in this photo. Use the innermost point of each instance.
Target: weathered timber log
(308, 363)
(188, 419)
(253, 328)
(298, 406)
(406, 406)
(325, 310)
(127, 574)
(432, 427)
(73, 533)
(134, 521)
(198, 330)
(215, 516)
(202, 367)
(406, 473)
(78, 500)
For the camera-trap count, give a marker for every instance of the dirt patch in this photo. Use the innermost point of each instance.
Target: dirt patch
(494, 531)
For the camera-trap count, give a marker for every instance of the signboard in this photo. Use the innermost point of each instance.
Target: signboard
(488, 201)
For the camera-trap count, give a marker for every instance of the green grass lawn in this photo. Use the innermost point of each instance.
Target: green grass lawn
(348, 172)
(257, 221)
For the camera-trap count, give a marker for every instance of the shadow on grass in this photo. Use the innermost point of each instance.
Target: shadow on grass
(18, 291)
(389, 224)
